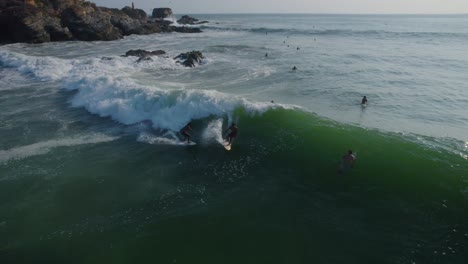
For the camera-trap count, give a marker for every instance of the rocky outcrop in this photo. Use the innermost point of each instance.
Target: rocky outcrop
(144, 53)
(187, 20)
(88, 22)
(135, 13)
(144, 59)
(38, 21)
(28, 22)
(190, 59)
(161, 13)
(186, 29)
(135, 23)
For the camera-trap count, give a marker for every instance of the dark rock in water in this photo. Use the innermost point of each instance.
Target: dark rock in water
(144, 59)
(187, 20)
(161, 13)
(190, 59)
(144, 53)
(186, 29)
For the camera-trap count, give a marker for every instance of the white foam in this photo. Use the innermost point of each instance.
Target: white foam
(213, 132)
(9, 78)
(162, 140)
(45, 68)
(129, 103)
(44, 147)
(106, 88)
(52, 68)
(172, 19)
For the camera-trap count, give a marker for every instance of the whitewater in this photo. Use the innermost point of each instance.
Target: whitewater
(91, 157)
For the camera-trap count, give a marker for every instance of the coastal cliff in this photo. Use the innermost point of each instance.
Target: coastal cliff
(38, 21)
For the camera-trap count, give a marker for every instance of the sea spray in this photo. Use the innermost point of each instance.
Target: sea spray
(167, 139)
(213, 132)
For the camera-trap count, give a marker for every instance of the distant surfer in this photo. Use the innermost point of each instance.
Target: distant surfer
(294, 68)
(266, 54)
(364, 100)
(185, 132)
(232, 133)
(347, 162)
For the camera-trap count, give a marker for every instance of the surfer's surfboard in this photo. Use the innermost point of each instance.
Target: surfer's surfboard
(187, 144)
(227, 147)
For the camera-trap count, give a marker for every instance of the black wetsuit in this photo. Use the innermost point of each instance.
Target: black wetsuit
(184, 131)
(232, 134)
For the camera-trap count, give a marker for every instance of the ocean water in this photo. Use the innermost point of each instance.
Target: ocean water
(92, 169)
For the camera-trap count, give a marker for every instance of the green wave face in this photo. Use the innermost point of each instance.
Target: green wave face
(312, 147)
(403, 200)
(276, 197)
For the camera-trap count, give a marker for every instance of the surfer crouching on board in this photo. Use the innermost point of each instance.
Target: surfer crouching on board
(232, 135)
(185, 132)
(347, 162)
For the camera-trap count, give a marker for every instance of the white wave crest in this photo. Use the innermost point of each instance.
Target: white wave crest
(45, 68)
(105, 88)
(130, 103)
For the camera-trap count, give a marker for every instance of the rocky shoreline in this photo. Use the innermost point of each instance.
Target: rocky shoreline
(39, 21)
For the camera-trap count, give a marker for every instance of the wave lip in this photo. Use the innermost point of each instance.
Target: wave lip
(106, 88)
(45, 147)
(130, 103)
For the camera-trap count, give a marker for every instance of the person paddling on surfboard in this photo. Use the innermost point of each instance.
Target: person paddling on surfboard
(232, 134)
(185, 132)
(364, 100)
